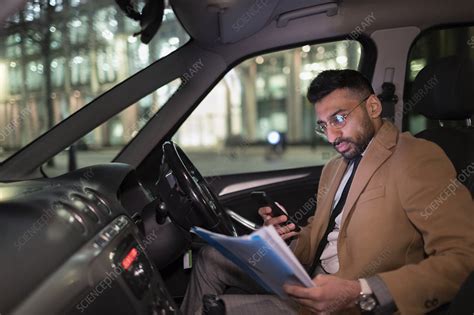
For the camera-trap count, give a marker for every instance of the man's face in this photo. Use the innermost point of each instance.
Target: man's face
(353, 138)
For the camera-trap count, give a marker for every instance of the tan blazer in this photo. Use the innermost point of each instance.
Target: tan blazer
(406, 219)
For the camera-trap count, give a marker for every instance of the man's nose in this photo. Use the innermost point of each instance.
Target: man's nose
(333, 133)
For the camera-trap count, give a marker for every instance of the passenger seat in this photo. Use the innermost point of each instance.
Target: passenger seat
(446, 93)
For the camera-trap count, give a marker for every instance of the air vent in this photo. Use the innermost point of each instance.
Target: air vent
(98, 200)
(67, 213)
(85, 205)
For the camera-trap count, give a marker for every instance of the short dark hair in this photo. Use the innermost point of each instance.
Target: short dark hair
(328, 81)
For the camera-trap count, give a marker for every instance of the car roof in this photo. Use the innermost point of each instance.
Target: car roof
(216, 22)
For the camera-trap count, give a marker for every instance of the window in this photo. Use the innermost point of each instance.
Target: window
(429, 48)
(14, 72)
(13, 46)
(78, 29)
(103, 143)
(56, 37)
(107, 65)
(80, 69)
(34, 78)
(263, 101)
(85, 47)
(105, 24)
(57, 71)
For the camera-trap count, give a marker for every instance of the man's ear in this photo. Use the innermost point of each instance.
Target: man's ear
(374, 106)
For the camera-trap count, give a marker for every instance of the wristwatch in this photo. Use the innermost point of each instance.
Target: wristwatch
(366, 300)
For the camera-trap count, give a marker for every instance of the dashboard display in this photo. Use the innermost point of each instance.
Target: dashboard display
(129, 258)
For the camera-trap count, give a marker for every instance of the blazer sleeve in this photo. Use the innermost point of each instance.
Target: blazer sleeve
(441, 208)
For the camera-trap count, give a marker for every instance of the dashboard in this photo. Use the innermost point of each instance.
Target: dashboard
(75, 244)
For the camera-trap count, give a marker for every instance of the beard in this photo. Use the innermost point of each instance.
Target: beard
(357, 145)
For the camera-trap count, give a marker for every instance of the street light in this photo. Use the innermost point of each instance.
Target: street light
(277, 142)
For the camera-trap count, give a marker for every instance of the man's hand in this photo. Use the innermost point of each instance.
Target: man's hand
(285, 231)
(330, 294)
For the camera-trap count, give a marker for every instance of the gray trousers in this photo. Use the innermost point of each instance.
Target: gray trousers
(213, 273)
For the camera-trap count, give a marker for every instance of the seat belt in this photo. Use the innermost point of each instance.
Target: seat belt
(388, 97)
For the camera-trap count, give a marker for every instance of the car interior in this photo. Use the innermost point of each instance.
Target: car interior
(113, 235)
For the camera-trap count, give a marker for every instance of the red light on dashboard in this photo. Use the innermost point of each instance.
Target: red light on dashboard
(130, 258)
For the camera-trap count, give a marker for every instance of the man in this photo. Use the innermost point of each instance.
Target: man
(370, 245)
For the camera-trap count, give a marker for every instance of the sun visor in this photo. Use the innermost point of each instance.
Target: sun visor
(229, 21)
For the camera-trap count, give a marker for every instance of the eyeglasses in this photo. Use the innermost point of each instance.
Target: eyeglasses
(337, 121)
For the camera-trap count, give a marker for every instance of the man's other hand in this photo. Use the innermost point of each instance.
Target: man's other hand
(285, 231)
(329, 295)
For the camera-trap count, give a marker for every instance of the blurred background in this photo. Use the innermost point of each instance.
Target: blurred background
(58, 55)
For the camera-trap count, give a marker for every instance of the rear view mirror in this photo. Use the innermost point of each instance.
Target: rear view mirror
(150, 18)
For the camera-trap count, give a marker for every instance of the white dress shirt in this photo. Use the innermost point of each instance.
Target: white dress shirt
(329, 258)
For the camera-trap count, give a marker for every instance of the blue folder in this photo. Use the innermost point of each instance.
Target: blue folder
(263, 255)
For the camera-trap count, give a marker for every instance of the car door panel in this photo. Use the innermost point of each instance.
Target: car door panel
(295, 189)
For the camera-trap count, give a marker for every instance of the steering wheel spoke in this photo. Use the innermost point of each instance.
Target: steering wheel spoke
(204, 207)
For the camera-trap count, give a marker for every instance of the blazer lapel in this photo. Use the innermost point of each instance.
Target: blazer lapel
(376, 154)
(324, 209)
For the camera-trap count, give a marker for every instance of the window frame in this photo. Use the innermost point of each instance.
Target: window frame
(366, 66)
(407, 83)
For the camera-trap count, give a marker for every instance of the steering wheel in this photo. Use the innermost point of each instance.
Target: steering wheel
(191, 200)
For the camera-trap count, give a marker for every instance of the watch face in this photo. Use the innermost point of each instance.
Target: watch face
(367, 302)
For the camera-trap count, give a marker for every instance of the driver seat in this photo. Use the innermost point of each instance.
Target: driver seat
(450, 101)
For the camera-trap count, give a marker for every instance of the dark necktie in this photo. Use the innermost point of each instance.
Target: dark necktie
(332, 220)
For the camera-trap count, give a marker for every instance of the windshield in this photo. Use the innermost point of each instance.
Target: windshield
(58, 55)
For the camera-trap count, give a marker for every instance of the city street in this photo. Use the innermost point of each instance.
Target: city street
(210, 163)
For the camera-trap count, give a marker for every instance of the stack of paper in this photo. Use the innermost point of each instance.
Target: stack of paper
(263, 255)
